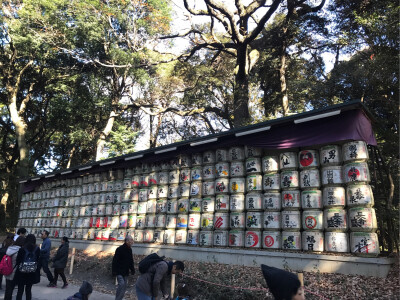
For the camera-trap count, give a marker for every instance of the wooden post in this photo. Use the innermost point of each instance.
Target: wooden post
(172, 285)
(71, 267)
(301, 278)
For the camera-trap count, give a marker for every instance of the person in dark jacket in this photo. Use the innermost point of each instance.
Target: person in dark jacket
(12, 252)
(45, 256)
(150, 283)
(6, 243)
(282, 284)
(60, 262)
(121, 264)
(84, 292)
(24, 281)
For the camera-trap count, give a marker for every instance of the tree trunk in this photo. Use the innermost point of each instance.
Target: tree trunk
(282, 75)
(101, 142)
(241, 114)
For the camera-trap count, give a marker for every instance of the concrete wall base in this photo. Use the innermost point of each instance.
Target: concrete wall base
(309, 262)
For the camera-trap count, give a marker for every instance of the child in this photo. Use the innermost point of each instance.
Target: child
(84, 293)
(183, 292)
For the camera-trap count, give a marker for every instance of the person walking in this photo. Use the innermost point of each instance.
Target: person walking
(84, 292)
(45, 256)
(121, 264)
(60, 262)
(8, 241)
(27, 271)
(12, 251)
(150, 283)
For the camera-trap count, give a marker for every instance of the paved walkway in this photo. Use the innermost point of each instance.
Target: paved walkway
(41, 292)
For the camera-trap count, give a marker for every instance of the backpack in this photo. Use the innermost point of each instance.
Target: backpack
(6, 267)
(148, 261)
(29, 264)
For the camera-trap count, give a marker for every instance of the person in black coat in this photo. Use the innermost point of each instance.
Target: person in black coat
(24, 281)
(60, 262)
(121, 264)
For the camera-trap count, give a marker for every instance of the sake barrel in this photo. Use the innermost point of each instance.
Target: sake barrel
(184, 175)
(192, 237)
(143, 194)
(272, 201)
(105, 234)
(196, 173)
(172, 206)
(142, 207)
(254, 201)
(153, 192)
(169, 236)
(221, 185)
(123, 221)
(81, 211)
(336, 242)
(272, 220)
(162, 191)
(85, 233)
(163, 178)
(161, 206)
(173, 191)
(208, 188)
(362, 219)
(184, 190)
(207, 221)
(311, 199)
(364, 244)
(138, 236)
(174, 163)
(289, 179)
(130, 232)
(291, 199)
(251, 151)
(140, 221)
(309, 179)
(221, 155)
(116, 209)
(194, 221)
(332, 175)
(222, 169)
(222, 203)
(236, 238)
(114, 222)
(132, 207)
(197, 159)
(313, 241)
(132, 221)
(355, 151)
(288, 161)
(356, 172)
(271, 182)
(270, 164)
(160, 221)
(237, 220)
(180, 236)
(148, 236)
(209, 157)
(252, 239)
(185, 161)
(102, 198)
(335, 219)
(221, 220)
(253, 165)
(127, 183)
(165, 165)
(155, 167)
(150, 220)
(151, 207)
(97, 234)
(209, 172)
(220, 238)
(173, 176)
(308, 159)
(237, 185)
(330, 155)
(109, 209)
(124, 208)
(312, 220)
(208, 205)
(86, 222)
(359, 195)
(183, 205)
(182, 221)
(237, 202)
(271, 240)
(144, 180)
(254, 183)
(91, 234)
(171, 221)
(254, 220)
(237, 169)
(110, 186)
(206, 238)
(291, 240)
(291, 220)
(135, 181)
(236, 153)
(153, 178)
(158, 236)
(333, 197)
(195, 205)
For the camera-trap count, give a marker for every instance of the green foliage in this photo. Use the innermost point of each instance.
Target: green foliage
(122, 141)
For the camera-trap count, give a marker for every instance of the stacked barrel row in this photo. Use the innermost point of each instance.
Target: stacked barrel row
(227, 197)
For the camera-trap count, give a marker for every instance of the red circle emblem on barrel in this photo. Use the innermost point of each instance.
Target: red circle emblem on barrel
(306, 158)
(269, 241)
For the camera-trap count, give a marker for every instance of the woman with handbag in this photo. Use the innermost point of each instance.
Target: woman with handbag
(60, 262)
(27, 271)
